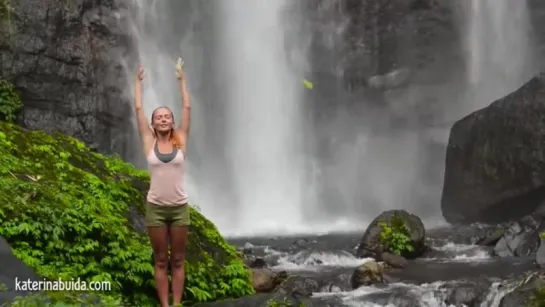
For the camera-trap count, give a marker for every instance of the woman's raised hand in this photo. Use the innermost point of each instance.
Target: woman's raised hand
(140, 74)
(180, 69)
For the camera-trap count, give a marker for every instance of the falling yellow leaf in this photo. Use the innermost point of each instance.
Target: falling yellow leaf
(308, 84)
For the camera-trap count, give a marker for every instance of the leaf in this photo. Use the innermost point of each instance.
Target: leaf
(308, 84)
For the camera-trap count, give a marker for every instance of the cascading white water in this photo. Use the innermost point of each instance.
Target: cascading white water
(499, 48)
(245, 164)
(263, 101)
(245, 146)
(163, 30)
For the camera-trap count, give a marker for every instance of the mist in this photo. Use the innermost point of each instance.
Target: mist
(269, 154)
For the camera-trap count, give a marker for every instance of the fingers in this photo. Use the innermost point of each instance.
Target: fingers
(180, 63)
(140, 73)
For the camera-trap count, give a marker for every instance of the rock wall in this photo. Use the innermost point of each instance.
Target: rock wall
(65, 59)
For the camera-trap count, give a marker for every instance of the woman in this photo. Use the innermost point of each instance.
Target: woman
(167, 212)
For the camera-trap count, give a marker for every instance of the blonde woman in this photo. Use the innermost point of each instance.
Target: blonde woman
(167, 211)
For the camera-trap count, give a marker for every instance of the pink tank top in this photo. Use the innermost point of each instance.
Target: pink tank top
(167, 186)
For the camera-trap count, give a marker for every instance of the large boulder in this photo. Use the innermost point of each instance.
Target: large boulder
(495, 161)
(371, 244)
(66, 213)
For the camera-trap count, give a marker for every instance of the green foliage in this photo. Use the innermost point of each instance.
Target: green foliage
(64, 209)
(6, 12)
(5, 9)
(214, 270)
(284, 303)
(395, 236)
(538, 299)
(10, 101)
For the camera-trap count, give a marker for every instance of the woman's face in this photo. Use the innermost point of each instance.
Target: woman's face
(162, 120)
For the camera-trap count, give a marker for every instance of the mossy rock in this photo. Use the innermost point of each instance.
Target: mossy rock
(64, 208)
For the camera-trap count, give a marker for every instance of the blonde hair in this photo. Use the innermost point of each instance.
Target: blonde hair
(175, 137)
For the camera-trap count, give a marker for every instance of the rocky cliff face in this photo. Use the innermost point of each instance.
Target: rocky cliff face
(65, 58)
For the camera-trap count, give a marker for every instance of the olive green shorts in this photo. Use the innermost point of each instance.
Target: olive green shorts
(157, 216)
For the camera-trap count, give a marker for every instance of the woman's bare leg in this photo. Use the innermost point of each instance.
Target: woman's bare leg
(178, 242)
(159, 244)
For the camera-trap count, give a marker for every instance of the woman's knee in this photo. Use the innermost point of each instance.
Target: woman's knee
(177, 261)
(161, 260)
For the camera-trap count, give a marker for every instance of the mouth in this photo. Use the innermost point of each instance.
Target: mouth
(163, 126)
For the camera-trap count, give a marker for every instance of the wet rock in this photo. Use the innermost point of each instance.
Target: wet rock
(264, 280)
(394, 260)
(337, 284)
(397, 298)
(299, 286)
(467, 293)
(540, 254)
(263, 300)
(11, 270)
(370, 245)
(300, 242)
(317, 257)
(523, 294)
(522, 237)
(258, 263)
(495, 159)
(137, 219)
(248, 248)
(474, 234)
(367, 274)
(491, 237)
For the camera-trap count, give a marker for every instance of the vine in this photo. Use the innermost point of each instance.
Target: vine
(5, 9)
(10, 101)
(395, 236)
(538, 297)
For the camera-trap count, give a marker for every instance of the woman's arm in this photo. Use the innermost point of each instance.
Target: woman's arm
(186, 102)
(143, 126)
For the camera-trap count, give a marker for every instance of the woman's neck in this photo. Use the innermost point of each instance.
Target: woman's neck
(163, 138)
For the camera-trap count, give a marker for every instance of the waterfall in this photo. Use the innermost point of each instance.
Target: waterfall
(250, 122)
(245, 162)
(499, 49)
(163, 30)
(264, 116)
